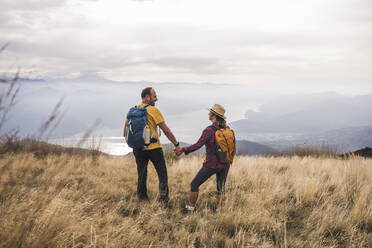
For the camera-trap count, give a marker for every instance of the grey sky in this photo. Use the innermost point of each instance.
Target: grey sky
(319, 45)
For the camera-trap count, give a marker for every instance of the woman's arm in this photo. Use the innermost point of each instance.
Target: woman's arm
(202, 140)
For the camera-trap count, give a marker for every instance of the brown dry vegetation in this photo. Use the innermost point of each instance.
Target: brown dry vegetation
(75, 201)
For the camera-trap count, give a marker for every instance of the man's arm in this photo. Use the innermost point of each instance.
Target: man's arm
(125, 127)
(168, 133)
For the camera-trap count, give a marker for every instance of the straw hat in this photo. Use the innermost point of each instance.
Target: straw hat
(218, 110)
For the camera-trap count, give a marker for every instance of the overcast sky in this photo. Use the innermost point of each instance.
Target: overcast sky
(310, 46)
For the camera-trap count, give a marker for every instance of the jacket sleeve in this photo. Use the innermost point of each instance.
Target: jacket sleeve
(202, 140)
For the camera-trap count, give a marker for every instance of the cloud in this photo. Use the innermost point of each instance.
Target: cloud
(189, 64)
(297, 44)
(30, 5)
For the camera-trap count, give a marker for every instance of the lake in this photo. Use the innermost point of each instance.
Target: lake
(110, 145)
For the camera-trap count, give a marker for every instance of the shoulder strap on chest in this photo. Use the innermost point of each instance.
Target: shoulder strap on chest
(214, 127)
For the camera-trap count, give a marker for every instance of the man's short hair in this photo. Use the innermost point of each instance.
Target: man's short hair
(146, 91)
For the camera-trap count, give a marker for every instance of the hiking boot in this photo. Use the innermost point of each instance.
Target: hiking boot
(188, 209)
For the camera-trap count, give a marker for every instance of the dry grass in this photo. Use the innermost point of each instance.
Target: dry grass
(72, 201)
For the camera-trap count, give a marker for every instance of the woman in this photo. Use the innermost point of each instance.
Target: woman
(211, 165)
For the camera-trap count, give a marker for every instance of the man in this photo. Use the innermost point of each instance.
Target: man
(152, 152)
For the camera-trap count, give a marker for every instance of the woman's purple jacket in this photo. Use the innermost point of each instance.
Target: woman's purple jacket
(208, 139)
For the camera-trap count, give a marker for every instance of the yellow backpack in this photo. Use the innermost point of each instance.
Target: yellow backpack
(226, 144)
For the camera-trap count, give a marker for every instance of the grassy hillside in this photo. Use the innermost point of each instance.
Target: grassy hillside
(77, 201)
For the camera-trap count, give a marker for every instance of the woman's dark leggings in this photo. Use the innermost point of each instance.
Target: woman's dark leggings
(205, 173)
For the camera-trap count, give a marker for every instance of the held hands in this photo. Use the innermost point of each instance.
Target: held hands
(178, 150)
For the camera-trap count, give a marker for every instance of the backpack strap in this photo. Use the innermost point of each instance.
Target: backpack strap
(152, 139)
(143, 106)
(215, 149)
(234, 152)
(213, 127)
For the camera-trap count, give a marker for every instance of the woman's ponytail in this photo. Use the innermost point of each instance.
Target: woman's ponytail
(221, 122)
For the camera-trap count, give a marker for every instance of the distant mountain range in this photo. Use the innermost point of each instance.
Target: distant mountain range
(365, 152)
(327, 118)
(308, 114)
(344, 139)
(245, 147)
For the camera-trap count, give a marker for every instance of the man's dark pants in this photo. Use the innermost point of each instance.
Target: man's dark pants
(156, 156)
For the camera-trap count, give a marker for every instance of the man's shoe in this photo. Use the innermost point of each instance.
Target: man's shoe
(164, 204)
(144, 198)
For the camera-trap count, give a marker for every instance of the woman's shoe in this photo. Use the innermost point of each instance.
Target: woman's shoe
(189, 209)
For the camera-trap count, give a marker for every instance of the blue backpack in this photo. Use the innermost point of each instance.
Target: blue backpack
(137, 120)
